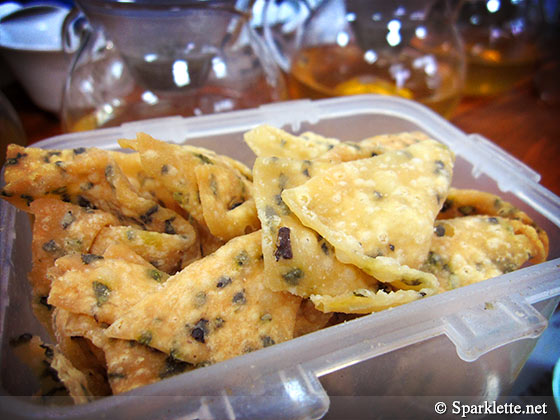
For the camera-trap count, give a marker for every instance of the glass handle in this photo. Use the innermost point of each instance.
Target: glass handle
(74, 29)
(288, 16)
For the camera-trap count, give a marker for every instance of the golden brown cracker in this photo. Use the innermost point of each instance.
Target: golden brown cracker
(82, 353)
(379, 212)
(59, 228)
(174, 166)
(215, 309)
(469, 202)
(101, 287)
(128, 364)
(470, 249)
(365, 301)
(227, 204)
(147, 186)
(296, 258)
(164, 251)
(91, 179)
(74, 380)
(266, 140)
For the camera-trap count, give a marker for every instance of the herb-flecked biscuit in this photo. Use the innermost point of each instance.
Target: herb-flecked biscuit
(379, 212)
(129, 364)
(227, 203)
(365, 301)
(470, 249)
(469, 202)
(59, 228)
(174, 167)
(87, 177)
(104, 288)
(296, 258)
(266, 140)
(167, 252)
(215, 309)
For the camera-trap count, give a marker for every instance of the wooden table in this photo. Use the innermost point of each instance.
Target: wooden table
(518, 121)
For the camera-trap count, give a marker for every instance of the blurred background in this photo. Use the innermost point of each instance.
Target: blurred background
(489, 66)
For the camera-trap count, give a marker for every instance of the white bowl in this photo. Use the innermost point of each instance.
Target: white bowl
(31, 44)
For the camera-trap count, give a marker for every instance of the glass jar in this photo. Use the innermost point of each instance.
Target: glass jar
(500, 42)
(145, 59)
(406, 48)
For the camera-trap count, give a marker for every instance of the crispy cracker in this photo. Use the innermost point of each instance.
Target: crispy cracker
(227, 203)
(82, 353)
(104, 288)
(296, 258)
(174, 167)
(129, 364)
(164, 251)
(91, 179)
(59, 228)
(74, 380)
(365, 301)
(469, 202)
(147, 186)
(470, 249)
(214, 309)
(266, 140)
(379, 212)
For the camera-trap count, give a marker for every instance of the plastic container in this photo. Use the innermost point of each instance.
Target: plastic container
(468, 344)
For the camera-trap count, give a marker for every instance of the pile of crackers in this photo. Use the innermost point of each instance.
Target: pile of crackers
(163, 258)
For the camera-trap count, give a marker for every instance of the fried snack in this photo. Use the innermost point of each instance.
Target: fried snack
(166, 252)
(82, 354)
(129, 364)
(365, 301)
(469, 249)
(174, 167)
(57, 375)
(371, 146)
(296, 258)
(147, 186)
(38, 356)
(397, 141)
(74, 380)
(89, 178)
(59, 228)
(227, 203)
(104, 288)
(145, 263)
(468, 202)
(215, 309)
(266, 140)
(378, 213)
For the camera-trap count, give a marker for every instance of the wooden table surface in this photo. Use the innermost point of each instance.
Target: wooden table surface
(518, 121)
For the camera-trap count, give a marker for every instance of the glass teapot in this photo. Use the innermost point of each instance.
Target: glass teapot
(501, 42)
(409, 48)
(144, 59)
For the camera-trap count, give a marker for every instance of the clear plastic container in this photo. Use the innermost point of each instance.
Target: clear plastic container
(468, 344)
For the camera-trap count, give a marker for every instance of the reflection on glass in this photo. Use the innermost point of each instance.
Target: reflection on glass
(348, 48)
(187, 59)
(500, 41)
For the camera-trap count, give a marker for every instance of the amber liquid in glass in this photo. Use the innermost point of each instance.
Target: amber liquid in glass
(330, 70)
(491, 71)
